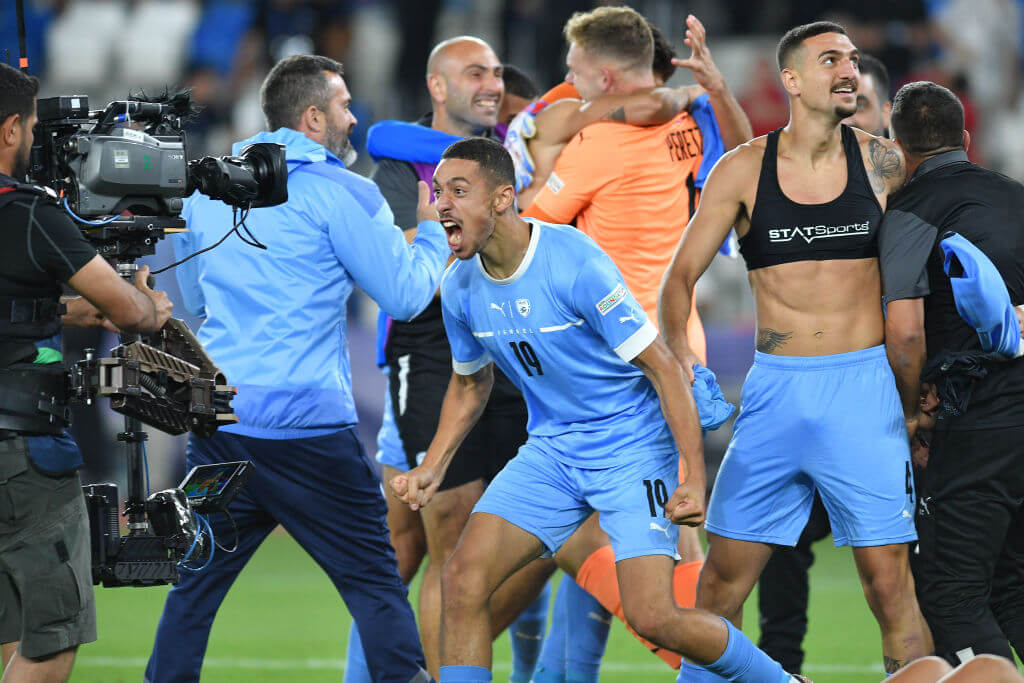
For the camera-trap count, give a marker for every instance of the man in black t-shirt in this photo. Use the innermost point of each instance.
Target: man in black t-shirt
(969, 566)
(46, 599)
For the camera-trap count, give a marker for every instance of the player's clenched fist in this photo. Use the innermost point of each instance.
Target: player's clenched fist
(417, 486)
(686, 506)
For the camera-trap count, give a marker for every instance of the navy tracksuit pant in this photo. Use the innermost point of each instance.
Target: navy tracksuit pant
(325, 492)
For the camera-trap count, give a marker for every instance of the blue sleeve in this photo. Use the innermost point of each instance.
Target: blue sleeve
(600, 297)
(704, 114)
(401, 278)
(468, 356)
(407, 142)
(184, 243)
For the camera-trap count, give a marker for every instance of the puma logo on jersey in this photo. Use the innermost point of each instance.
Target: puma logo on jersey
(631, 316)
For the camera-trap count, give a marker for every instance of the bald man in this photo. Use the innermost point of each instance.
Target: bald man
(464, 79)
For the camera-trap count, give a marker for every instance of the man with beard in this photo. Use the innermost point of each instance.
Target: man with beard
(820, 410)
(611, 416)
(464, 78)
(784, 587)
(274, 320)
(47, 607)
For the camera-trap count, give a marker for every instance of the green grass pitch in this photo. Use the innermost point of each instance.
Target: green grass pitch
(284, 622)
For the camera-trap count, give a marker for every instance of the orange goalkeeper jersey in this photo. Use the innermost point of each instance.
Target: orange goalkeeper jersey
(632, 190)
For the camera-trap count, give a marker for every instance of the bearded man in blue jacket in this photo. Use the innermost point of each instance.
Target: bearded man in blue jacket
(274, 322)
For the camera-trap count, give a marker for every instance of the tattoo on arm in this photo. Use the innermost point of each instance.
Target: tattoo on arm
(892, 665)
(617, 115)
(886, 166)
(768, 339)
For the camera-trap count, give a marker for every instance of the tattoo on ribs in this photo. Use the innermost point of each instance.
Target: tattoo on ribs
(885, 165)
(768, 339)
(617, 115)
(893, 665)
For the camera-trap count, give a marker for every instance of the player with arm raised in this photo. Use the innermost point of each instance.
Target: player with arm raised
(538, 133)
(610, 410)
(820, 408)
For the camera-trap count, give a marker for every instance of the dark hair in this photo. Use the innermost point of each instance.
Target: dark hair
(795, 37)
(927, 118)
(294, 84)
(17, 93)
(494, 160)
(663, 53)
(872, 66)
(518, 83)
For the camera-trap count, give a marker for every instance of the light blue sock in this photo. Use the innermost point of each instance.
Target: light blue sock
(694, 673)
(587, 627)
(356, 670)
(551, 667)
(465, 674)
(527, 634)
(742, 661)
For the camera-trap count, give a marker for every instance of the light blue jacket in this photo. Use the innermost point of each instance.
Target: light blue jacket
(274, 320)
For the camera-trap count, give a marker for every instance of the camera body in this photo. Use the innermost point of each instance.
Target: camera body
(107, 172)
(131, 157)
(128, 163)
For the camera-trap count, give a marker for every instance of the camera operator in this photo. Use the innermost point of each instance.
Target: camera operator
(274, 322)
(46, 598)
(969, 565)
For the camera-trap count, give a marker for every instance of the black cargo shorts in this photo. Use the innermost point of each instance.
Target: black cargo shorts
(46, 596)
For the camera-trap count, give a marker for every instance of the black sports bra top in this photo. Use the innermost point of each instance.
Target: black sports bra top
(782, 231)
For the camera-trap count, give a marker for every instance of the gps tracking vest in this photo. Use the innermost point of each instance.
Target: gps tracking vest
(783, 231)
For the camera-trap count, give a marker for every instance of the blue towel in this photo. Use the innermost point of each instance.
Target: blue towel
(713, 146)
(713, 149)
(712, 407)
(981, 296)
(407, 142)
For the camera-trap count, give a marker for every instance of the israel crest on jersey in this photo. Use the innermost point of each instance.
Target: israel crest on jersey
(523, 306)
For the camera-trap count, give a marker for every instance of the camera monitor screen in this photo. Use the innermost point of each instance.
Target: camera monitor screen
(208, 480)
(211, 487)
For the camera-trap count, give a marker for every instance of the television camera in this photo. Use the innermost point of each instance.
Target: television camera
(121, 173)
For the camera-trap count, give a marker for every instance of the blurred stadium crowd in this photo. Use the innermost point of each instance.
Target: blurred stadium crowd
(222, 50)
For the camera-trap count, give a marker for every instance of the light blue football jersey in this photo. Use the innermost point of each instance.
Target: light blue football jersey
(563, 327)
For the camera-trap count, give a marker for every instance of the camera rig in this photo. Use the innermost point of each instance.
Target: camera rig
(121, 174)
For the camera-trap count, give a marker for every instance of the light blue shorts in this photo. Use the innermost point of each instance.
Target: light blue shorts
(549, 499)
(831, 423)
(390, 450)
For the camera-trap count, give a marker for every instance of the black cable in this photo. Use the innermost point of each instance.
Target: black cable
(238, 220)
(241, 224)
(233, 526)
(23, 61)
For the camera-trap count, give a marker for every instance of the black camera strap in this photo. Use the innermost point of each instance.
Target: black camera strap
(21, 317)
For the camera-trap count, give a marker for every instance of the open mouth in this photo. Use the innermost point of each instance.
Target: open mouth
(486, 103)
(848, 88)
(454, 232)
